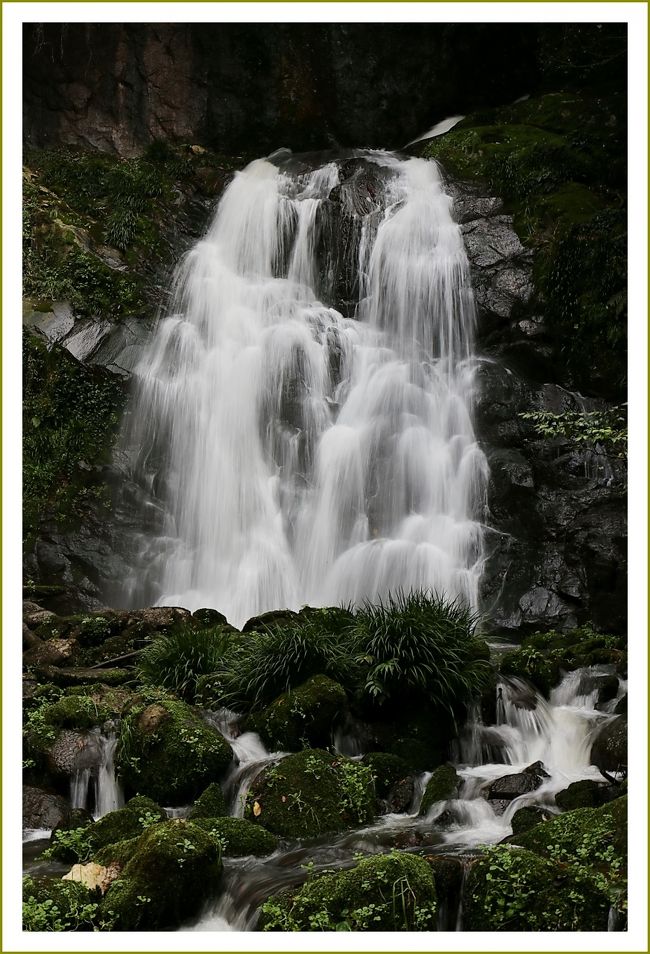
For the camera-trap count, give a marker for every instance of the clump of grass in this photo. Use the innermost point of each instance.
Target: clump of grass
(177, 660)
(268, 662)
(419, 645)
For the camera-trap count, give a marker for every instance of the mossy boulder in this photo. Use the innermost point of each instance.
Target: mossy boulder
(118, 853)
(386, 770)
(609, 751)
(302, 717)
(237, 837)
(393, 892)
(512, 889)
(85, 841)
(527, 817)
(443, 785)
(210, 803)
(173, 870)
(310, 793)
(52, 904)
(167, 752)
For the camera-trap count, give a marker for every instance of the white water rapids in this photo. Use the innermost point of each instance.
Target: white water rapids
(304, 414)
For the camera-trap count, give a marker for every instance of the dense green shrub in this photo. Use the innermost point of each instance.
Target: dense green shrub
(177, 660)
(51, 904)
(419, 646)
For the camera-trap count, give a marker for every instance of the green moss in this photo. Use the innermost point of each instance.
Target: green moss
(118, 853)
(51, 904)
(209, 804)
(173, 870)
(237, 837)
(310, 793)
(511, 889)
(167, 752)
(526, 818)
(386, 770)
(558, 160)
(70, 417)
(393, 892)
(303, 717)
(443, 785)
(118, 826)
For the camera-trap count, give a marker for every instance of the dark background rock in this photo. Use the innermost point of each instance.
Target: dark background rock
(118, 87)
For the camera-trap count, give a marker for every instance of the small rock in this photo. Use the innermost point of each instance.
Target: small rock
(511, 786)
(95, 877)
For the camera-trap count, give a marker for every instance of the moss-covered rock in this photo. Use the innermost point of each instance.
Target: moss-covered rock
(386, 770)
(393, 892)
(512, 889)
(118, 853)
(52, 904)
(173, 870)
(527, 817)
(443, 785)
(311, 793)
(303, 717)
(210, 803)
(82, 843)
(238, 837)
(167, 752)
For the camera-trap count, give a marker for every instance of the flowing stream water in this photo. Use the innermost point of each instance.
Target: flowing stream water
(528, 729)
(304, 414)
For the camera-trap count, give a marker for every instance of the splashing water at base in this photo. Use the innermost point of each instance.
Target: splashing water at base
(302, 455)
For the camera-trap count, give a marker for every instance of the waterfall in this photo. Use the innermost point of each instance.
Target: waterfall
(98, 768)
(304, 414)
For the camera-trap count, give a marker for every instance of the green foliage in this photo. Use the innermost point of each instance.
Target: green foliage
(419, 646)
(70, 845)
(386, 770)
(592, 842)
(177, 660)
(607, 428)
(394, 892)
(272, 660)
(511, 889)
(57, 905)
(558, 161)
(70, 415)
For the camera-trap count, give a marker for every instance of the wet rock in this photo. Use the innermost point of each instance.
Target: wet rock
(52, 652)
(527, 817)
(306, 714)
(519, 783)
(210, 617)
(443, 785)
(68, 753)
(278, 618)
(93, 876)
(30, 639)
(43, 809)
(621, 706)
(585, 794)
(609, 751)
(400, 796)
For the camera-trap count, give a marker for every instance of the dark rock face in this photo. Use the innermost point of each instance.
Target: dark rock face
(255, 87)
(556, 548)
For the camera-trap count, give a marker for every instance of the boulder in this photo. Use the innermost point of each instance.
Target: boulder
(520, 783)
(585, 794)
(609, 751)
(210, 803)
(174, 869)
(169, 753)
(237, 837)
(310, 793)
(52, 904)
(387, 771)
(443, 785)
(527, 817)
(394, 892)
(512, 889)
(43, 809)
(304, 716)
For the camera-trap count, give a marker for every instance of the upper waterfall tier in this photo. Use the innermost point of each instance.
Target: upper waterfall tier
(304, 413)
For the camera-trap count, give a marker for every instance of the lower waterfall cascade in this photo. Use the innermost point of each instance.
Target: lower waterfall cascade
(303, 416)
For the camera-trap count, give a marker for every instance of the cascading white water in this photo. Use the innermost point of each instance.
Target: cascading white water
(98, 769)
(303, 456)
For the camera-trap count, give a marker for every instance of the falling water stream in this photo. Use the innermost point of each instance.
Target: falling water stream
(304, 414)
